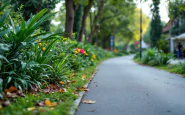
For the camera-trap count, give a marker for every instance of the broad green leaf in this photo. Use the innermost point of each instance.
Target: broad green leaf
(3, 18)
(2, 57)
(36, 18)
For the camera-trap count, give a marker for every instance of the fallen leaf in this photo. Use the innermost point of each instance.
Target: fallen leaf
(61, 82)
(88, 101)
(53, 104)
(62, 90)
(31, 108)
(83, 77)
(11, 89)
(49, 103)
(84, 88)
(20, 93)
(54, 86)
(73, 81)
(12, 94)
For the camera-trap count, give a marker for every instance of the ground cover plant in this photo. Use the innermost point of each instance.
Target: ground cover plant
(41, 72)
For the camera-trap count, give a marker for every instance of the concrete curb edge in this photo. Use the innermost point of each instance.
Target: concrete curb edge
(81, 94)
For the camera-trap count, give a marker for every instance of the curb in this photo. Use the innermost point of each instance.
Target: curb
(81, 94)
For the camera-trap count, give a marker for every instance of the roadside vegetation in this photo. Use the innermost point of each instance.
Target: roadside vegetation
(159, 59)
(42, 72)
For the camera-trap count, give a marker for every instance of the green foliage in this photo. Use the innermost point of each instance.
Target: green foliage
(31, 7)
(21, 104)
(162, 44)
(176, 9)
(30, 57)
(77, 21)
(154, 57)
(146, 36)
(17, 67)
(156, 27)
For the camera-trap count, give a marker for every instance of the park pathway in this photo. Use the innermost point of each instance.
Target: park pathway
(122, 87)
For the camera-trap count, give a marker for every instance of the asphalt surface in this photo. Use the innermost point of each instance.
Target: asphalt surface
(122, 87)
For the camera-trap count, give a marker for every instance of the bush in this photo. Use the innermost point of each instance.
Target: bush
(30, 57)
(154, 57)
(162, 45)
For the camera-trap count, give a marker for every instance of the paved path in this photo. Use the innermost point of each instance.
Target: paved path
(122, 87)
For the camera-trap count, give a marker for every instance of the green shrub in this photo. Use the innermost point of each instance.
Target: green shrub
(162, 45)
(30, 57)
(154, 57)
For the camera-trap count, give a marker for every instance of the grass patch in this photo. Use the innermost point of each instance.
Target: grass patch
(20, 105)
(65, 100)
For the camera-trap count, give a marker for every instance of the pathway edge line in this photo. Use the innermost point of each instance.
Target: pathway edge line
(78, 100)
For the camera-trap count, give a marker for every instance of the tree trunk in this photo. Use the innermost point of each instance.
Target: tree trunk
(77, 21)
(86, 11)
(69, 18)
(95, 26)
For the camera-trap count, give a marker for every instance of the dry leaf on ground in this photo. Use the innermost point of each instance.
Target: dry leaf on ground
(49, 103)
(73, 81)
(31, 108)
(63, 90)
(11, 94)
(83, 77)
(11, 89)
(88, 101)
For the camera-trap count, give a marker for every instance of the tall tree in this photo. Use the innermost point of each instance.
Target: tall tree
(94, 23)
(86, 11)
(72, 6)
(31, 7)
(156, 27)
(69, 18)
(77, 20)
